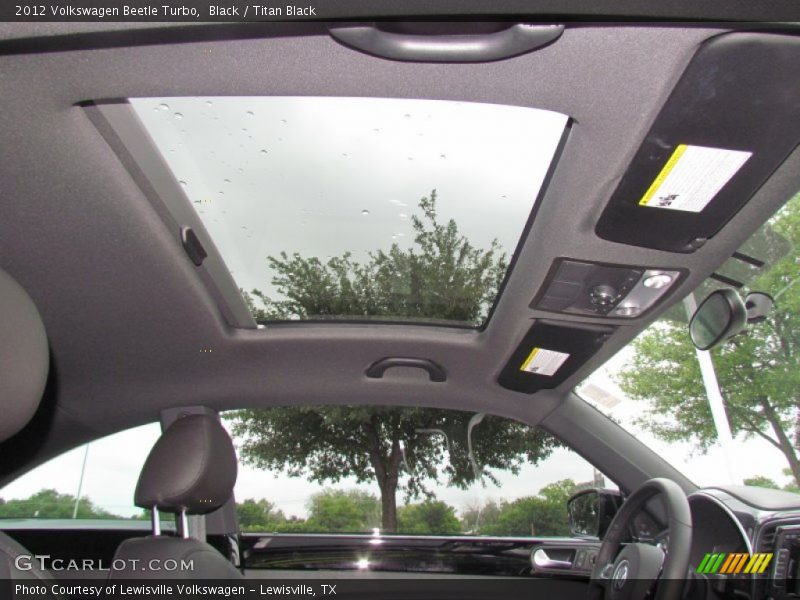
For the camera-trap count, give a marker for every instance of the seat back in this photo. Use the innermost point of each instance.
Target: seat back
(24, 365)
(191, 470)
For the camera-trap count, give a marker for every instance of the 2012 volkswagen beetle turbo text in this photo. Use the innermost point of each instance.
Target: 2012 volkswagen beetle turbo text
(376, 305)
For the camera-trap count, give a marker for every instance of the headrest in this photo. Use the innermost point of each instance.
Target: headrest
(192, 467)
(24, 358)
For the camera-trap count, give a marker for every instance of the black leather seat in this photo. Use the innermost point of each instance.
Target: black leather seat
(24, 365)
(191, 470)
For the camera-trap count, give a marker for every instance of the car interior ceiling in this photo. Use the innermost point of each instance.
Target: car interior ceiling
(126, 310)
(87, 235)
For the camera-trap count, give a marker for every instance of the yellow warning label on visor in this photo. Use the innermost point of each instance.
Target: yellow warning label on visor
(692, 177)
(544, 362)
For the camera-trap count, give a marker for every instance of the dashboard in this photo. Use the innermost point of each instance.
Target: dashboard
(734, 520)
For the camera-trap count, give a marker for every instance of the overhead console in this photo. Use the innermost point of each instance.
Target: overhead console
(591, 289)
(732, 119)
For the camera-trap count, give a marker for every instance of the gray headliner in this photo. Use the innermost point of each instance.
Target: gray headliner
(127, 313)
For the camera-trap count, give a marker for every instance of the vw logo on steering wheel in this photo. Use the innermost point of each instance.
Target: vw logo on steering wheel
(620, 575)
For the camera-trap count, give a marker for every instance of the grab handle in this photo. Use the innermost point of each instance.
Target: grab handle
(435, 372)
(513, 41)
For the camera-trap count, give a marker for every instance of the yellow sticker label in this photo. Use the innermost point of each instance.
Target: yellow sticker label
(542, 361)
(673, 160)
(692, 177)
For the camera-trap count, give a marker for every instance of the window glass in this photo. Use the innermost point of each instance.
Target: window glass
(94, 481)
(318, 470)
(357, 208)
(681, 401)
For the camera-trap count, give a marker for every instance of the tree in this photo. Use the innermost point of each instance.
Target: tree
(338, 511)
(475, 518)
(541, 515)
(49, 504)
(757, 370)
(442, 277)
(761, 481)
(431, 517)
(259, 515)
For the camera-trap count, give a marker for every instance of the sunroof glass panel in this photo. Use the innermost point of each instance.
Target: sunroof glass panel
(359, 208)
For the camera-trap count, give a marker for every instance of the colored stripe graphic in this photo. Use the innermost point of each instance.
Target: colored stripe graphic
(731, 560)
(740, 563)
(734, 563)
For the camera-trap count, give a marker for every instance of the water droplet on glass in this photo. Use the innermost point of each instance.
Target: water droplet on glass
(263, 152)
(227, 181)
(182, 182)
(365, 212)
(250, 113)
(178, 116)
(403, 216)
(209, 103)
(221, 193)
(407, 115)
(283, 120)
(240, 169)
(163, 107)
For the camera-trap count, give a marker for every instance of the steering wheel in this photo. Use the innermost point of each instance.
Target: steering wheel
(629, 574)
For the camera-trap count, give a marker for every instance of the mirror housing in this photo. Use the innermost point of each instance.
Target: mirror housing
(591, 511)
(758, 305)
(721, 315)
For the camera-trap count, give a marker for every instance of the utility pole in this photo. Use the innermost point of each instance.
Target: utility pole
(80, 483)
(715, 401)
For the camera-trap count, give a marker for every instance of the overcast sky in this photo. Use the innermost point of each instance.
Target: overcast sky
(322, 176)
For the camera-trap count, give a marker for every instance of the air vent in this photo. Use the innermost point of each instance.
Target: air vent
(766, 538)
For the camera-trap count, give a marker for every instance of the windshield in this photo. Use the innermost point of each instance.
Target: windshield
(341, 469)
(736, 417)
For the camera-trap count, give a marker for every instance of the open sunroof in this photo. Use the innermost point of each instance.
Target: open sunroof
(359, 208)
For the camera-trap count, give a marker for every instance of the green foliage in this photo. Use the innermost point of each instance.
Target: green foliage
(259, 515)
(49, 504)
(431, 517)
(337, 511)
(761, 481)
(476, 517)
(443, 278)
(542, 515)
(328, 443)
(757, 370)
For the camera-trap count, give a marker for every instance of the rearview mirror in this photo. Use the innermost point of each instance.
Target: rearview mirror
(721, 315)
(591, 511)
